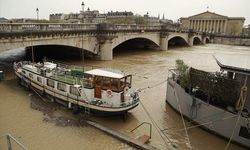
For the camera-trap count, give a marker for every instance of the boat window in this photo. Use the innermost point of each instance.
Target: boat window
(128, 81)
(23, 72)
(114, 84)
(61, 87)
(122, 84)
(50, 83)
(39, 79)
(98, 80)
(31, 75)
(106, 83)
(244, 132)
(74, 91)
(88, 81)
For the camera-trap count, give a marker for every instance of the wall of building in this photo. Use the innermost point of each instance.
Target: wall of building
(213, 23)
(234, 26)
(184, 23)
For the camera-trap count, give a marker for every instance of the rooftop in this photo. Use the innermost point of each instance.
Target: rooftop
(106, 73)
(236, 63)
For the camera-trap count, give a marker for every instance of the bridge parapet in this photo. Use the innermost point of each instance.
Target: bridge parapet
(26, 27)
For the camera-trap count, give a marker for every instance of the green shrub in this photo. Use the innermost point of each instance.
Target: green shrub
(183, 73)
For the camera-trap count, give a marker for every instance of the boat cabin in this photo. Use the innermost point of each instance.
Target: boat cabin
(237, 68)
(109, 80)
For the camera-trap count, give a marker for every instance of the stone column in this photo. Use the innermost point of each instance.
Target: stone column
(222, 26)
(203, 25)
(215, 29)
(225, 26)
(211, 26)
(206, 25)
(214, 26)
(219, 26)
(195, 24)
(192, 24)
(189, 24)
(198, 25)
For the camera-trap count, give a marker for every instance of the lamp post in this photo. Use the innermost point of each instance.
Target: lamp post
(37, 16)
(83, 6)
(82, 12)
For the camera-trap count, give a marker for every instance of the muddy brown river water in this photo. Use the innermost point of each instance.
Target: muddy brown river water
(25, 118)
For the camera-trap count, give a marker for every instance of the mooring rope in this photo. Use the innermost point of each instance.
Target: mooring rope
(157, 127)
(153, 86)
(242, 98)
(182, 118)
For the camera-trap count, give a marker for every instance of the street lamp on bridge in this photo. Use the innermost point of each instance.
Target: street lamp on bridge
(37, 15)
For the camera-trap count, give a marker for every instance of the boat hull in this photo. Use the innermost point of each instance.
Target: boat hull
(73, 103)
(214, 119)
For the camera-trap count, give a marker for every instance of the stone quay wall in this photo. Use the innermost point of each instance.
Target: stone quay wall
(232, 40)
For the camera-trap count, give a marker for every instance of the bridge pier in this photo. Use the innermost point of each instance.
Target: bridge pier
(203, 40)
(106, 51)
(191, 41)
(163, 43)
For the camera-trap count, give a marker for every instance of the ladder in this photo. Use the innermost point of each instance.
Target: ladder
(143, 138)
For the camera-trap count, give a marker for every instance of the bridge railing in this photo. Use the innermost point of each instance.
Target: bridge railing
(22, 27)
(44, 27)
(136, 27)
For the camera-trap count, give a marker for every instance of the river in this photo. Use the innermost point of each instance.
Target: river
(150, 70)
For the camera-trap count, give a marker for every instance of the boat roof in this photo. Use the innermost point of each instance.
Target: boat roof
(107, 73)
(235, 63)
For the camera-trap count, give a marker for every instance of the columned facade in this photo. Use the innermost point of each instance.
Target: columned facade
(213, 23)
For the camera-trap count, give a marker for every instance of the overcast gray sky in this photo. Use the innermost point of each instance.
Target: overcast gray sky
(173, 9)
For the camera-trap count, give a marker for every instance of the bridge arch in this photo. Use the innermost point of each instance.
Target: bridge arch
(197, 40)
(87, 43)
(153, 37)
(141, 43)
(77, 47)
(58, 52)
(206, 39)
(177, 40)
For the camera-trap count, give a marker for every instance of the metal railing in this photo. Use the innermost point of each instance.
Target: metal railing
(150, 128)
(11, 140)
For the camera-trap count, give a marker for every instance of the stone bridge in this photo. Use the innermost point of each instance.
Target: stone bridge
(99, 39)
